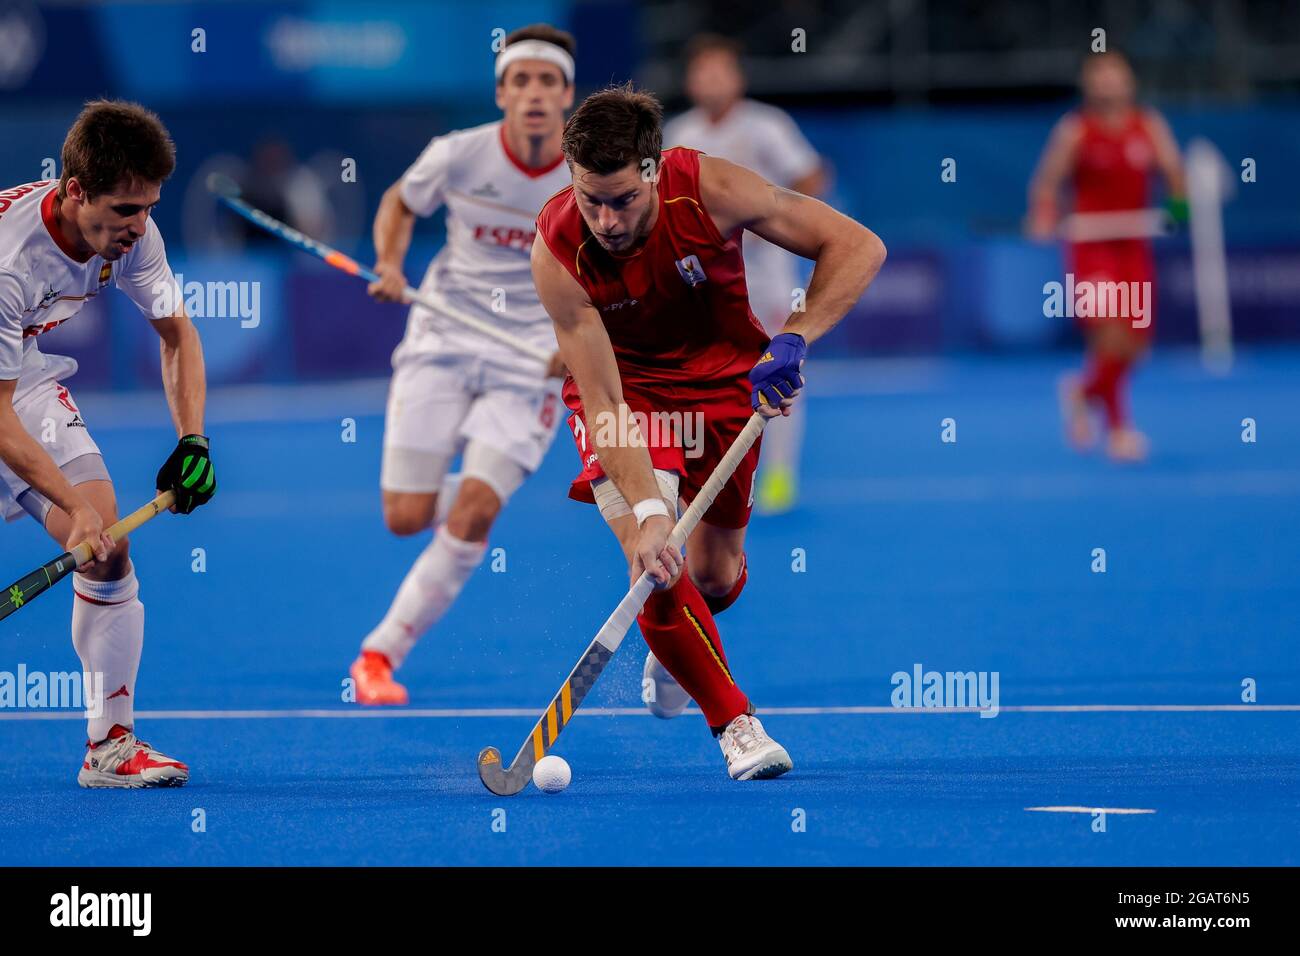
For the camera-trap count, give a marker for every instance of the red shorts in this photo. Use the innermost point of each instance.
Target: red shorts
(1127, 261)
(686, 431)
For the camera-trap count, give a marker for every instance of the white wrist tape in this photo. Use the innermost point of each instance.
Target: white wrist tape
(650, 506)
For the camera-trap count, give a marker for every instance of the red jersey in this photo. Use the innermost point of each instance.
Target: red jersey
(676, 309)
(1112, 172)
(1113, 166)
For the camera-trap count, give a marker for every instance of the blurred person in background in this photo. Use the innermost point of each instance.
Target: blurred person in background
(278, 184)
(726, 124)
(455, 389)
(1107, 150)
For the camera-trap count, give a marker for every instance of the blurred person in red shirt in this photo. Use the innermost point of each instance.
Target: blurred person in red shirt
(1108, 150)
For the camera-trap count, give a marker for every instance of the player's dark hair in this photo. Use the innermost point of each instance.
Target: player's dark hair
(547, 34)
(703, 43)
(617, 126)
(113, 143)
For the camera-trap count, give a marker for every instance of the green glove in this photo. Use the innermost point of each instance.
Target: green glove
(1176, 206)
(188, 472)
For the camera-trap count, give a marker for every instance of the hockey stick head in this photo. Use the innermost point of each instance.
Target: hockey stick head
(219, 184)
(504, 782)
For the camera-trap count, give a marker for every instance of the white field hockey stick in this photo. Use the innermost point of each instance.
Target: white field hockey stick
(228, 192)
(1112, 226)
(507, 781)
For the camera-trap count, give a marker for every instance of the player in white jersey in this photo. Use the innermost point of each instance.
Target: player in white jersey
(454, 389)
(725, 124)
(60, 245)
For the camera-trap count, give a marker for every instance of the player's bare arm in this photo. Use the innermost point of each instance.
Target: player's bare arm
(30, 462)
(183, 377)
(394, 225)
(1168, 159)
(1053, 169)
(586, 349)
(188, 470)
(847, 253)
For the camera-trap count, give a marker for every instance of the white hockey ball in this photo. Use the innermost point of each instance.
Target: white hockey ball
(551, 774)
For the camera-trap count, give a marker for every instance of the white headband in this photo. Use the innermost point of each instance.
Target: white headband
(535, 50)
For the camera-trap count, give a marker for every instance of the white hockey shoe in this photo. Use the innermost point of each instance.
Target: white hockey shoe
(124, 760)
(751, 754)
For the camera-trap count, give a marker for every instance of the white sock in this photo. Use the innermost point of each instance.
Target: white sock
(108, 633)
(426, 593)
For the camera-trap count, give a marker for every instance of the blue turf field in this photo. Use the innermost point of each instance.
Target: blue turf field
(965, 556)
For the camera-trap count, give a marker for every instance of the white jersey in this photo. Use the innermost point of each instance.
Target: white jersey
(483, 271)
(43, 283)
(765, 139)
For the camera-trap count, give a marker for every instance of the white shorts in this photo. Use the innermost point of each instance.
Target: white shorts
(437, 406)
(49, 415)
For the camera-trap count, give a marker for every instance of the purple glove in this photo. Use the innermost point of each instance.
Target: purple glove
(777, 376)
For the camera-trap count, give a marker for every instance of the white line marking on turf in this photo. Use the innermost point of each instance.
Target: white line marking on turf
(1087, 810)
(458, 712)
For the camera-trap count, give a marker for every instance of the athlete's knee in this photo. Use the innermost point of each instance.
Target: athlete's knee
(475, 509)
(720, 580)
(407, 514)
(492, 476)
(715, 578)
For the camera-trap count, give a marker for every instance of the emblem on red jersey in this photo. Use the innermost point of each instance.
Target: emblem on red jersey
(691, 270)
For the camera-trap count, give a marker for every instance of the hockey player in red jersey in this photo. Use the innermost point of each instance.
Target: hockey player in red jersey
(639, 265)
(1107, 150)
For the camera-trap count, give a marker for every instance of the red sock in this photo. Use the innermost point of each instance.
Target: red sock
(719, 604)
(1104, 383)
(679, 628)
